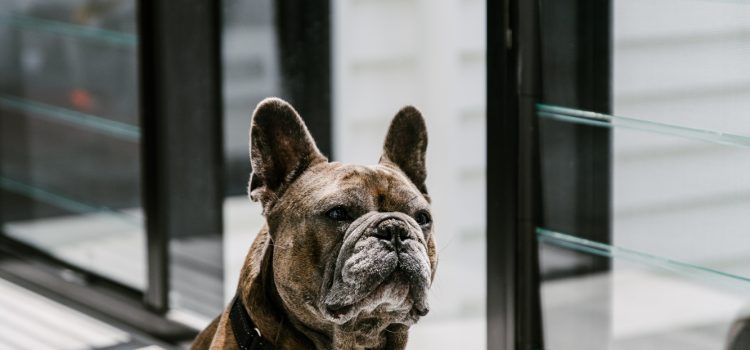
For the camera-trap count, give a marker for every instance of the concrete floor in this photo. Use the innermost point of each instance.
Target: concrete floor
(29, 321)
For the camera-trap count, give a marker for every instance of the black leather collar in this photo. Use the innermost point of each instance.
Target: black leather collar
(245, 332)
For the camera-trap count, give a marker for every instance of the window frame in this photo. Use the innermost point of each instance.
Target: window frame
(516, 82)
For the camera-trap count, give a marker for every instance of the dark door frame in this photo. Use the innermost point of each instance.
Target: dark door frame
(515, 84)
(181, 118)
(513, 310)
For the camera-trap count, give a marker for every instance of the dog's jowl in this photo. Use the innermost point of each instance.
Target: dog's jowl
(347, 255)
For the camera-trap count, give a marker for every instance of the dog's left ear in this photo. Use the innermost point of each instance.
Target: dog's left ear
(406, 144)
(281, 149)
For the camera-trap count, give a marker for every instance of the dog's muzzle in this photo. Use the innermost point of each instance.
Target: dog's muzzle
(382, 266)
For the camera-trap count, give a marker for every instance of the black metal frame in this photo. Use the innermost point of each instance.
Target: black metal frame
(304, 33)
(181, 117)
(515, 72)
(513, 310)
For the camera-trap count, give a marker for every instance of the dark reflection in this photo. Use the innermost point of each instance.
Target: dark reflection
(739, 335)
(68, 101)
(69, 134)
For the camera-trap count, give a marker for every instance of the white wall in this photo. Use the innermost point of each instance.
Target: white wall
(430, 54)
(685, 63)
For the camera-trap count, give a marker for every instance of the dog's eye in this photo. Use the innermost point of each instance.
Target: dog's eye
(423, 217)
(338, 214)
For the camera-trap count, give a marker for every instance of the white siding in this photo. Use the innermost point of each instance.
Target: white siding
(430, 54)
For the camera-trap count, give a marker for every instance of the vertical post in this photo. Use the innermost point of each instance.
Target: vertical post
(181, 119)
(502, 144)
(525, 21)
(14, 132)
(594, 93)
(513, 88)
(502, 148)
(304, 32)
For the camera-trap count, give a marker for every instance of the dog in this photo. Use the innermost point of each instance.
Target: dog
(347, 255)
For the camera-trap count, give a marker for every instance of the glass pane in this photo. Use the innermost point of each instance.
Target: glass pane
(677, 265)
(70, 164)
(679, 194)
(430, 55)
(641, 303)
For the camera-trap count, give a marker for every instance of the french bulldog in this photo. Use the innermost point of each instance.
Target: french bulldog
(347, 254)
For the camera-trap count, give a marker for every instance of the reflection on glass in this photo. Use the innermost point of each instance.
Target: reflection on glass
(69, 134)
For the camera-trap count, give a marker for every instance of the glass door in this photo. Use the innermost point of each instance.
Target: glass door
(95, 136)
(70, 185)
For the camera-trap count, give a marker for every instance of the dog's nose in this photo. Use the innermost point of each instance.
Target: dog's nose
(392, 230)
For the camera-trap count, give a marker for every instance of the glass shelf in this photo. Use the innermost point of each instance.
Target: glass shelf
(571, 242)
(66, 203)
(64, 115)
(641, 302)
(680, 196)
(577, 116)
(69, 29)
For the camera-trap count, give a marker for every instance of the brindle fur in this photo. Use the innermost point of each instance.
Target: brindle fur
(291, 262)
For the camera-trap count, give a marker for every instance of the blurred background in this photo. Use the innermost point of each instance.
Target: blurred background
(123, 203)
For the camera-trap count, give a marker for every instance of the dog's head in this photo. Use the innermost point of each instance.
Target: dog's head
(353, 247)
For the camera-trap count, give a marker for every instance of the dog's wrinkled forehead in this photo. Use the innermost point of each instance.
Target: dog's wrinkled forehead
(376, 187)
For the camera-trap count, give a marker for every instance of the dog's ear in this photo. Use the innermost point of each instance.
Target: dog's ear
(281, 149)
(406, 144)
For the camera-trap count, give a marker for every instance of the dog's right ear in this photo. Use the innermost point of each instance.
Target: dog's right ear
(406, 145)
(281, 149)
